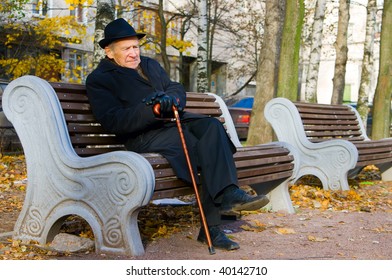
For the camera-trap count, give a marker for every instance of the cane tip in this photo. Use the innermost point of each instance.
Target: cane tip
(212, 250)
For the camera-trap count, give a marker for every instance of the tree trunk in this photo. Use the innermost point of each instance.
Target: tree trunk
(163, 38)
(382, 97)
(105, 14)
(266, 80)
(367, 62)
(341, 52)
(289, 55)
(315, 52)
(212, 23)
(202, 46)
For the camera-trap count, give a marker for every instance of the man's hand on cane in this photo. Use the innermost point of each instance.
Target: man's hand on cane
(162, 104)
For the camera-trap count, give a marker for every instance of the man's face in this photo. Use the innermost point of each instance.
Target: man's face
(125, 52)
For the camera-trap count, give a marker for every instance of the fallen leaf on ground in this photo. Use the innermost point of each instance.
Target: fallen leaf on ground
(256, 226)
(285, 231)
(316, 239)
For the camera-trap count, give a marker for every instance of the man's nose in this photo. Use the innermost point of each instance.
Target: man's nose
(132, 52)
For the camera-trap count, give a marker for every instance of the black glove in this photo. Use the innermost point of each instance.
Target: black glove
(152, 98)
(166, 103)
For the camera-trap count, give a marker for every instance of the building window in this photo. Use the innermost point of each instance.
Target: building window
(39, 7)
(145, 22)
(175, 29)
(76, 67)
(79, 12)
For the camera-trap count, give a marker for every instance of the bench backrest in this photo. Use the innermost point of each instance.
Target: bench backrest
(322, 122)
(89, 138)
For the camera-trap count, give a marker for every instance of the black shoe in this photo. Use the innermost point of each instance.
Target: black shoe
(218, 238)
(235, 200)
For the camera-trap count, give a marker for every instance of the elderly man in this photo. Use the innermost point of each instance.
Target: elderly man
(123, 90)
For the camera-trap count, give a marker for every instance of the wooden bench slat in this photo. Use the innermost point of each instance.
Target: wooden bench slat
(371, 157)
(330, 127)
(86, 140)
(247, 155)
(80, 118)
(363, 163)
(208, 111)
(333, 134)
(265, 178)
(350, 139)
(93, 151)
(374, 143)
(75, 107)
(318, 106)
(262, 161)
(191, 96)
(74, 97)
(201, 104)
(177, 192)
(86, 128)
(319, 116)
(251, 172)
(329, 122)
(374, 150)
(342, 112)
(68, 88)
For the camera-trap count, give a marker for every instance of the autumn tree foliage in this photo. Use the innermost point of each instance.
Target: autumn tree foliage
(33, 46)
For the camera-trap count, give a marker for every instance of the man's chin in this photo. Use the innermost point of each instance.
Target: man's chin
(131, 65)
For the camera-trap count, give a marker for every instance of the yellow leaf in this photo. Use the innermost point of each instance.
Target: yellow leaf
(316, 239)
(259, 224)
(285, 231)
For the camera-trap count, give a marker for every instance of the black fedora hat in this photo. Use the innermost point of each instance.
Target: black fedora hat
(118, 29)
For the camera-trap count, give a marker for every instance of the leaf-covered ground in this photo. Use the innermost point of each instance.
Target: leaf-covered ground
(367, 194)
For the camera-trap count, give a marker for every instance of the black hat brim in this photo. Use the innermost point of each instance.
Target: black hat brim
(106, 41)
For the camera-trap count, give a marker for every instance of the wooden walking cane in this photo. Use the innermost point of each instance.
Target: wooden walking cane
(156, 110)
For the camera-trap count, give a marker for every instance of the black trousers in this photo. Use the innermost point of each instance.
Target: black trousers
(211, 152)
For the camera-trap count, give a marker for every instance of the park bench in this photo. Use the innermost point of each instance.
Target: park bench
(331, 140)
(75, 168)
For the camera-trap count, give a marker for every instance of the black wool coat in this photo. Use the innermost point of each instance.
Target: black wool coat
(116, 93)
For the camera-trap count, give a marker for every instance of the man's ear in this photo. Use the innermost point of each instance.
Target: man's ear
(109, 52)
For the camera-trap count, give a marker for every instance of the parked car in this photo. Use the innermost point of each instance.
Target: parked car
(240, 108)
